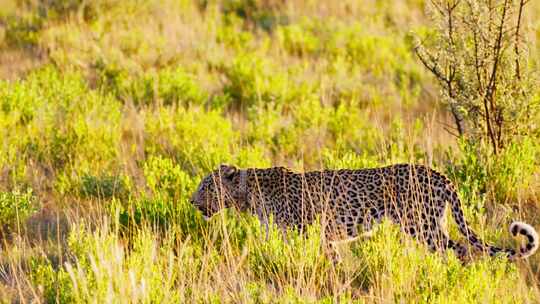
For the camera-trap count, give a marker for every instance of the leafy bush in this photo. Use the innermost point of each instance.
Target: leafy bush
(169, 130)
(251, 81)
(232, 35)
(166, 205)
(178, 87)
(54, 284)
(45, 103)
(15, 207)
(410, 274)
(134, 102)
(164, 177)
(298, 40)
(102, 269)
(479, 172)
(166, 87)
(56, 123)
(488, 89)
(103, 187)
(263, 14)
(22, 31)
(290, 257)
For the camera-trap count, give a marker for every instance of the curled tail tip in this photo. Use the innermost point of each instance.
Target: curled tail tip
(518, 227)
(532, 238)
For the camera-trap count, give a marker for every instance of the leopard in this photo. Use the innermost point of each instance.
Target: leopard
(349, 203)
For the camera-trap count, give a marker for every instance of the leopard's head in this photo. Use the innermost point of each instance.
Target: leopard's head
(219, 190)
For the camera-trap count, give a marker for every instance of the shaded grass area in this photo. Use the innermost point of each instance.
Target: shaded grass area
(130, 105)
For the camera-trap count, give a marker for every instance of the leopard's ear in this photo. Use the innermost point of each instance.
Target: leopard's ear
(227, 171)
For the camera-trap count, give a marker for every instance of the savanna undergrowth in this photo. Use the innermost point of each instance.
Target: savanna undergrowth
(111, 112)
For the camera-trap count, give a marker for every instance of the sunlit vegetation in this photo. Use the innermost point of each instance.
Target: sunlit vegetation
(111, 112)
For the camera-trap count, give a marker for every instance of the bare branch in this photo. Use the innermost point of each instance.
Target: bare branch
(492, 85)
(516, 44)
(433, 68)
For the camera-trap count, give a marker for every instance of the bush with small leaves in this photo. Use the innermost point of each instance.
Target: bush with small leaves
(103, 187)
(16, 207)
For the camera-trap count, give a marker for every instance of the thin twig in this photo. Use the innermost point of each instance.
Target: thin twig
(492, 86)
(516, 45)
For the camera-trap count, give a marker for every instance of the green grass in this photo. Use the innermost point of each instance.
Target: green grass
(126, 106)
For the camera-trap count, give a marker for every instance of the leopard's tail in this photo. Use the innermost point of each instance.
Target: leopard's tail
(516, 228)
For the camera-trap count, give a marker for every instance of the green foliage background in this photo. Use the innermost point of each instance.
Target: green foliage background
(112, 111)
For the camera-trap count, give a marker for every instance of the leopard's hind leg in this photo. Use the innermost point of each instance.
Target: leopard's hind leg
(437, 240)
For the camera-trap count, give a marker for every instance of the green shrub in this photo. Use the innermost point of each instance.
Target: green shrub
(103, 270)
(261, 14)
(15, 207)
(113, 78)
(406, 272)
(166, 206)
(349, 160)
(158, 213)
(164, 177)
(197, 140)
(165, 87)
(56, 9)
(178, 87)
(22, 31)
(479, 173)
(254, 81)
(232, 35)
(495, 106)
(308, 127)
(57, 119)
(137, 101)
(250, 157)
(298, 258)
(54, 284)
(298, 39)
(54, 124)
(103, 187)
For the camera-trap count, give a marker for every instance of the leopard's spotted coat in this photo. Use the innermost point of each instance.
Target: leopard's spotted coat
(350, 202)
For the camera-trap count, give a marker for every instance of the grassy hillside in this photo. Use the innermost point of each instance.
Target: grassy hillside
(112, 111)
